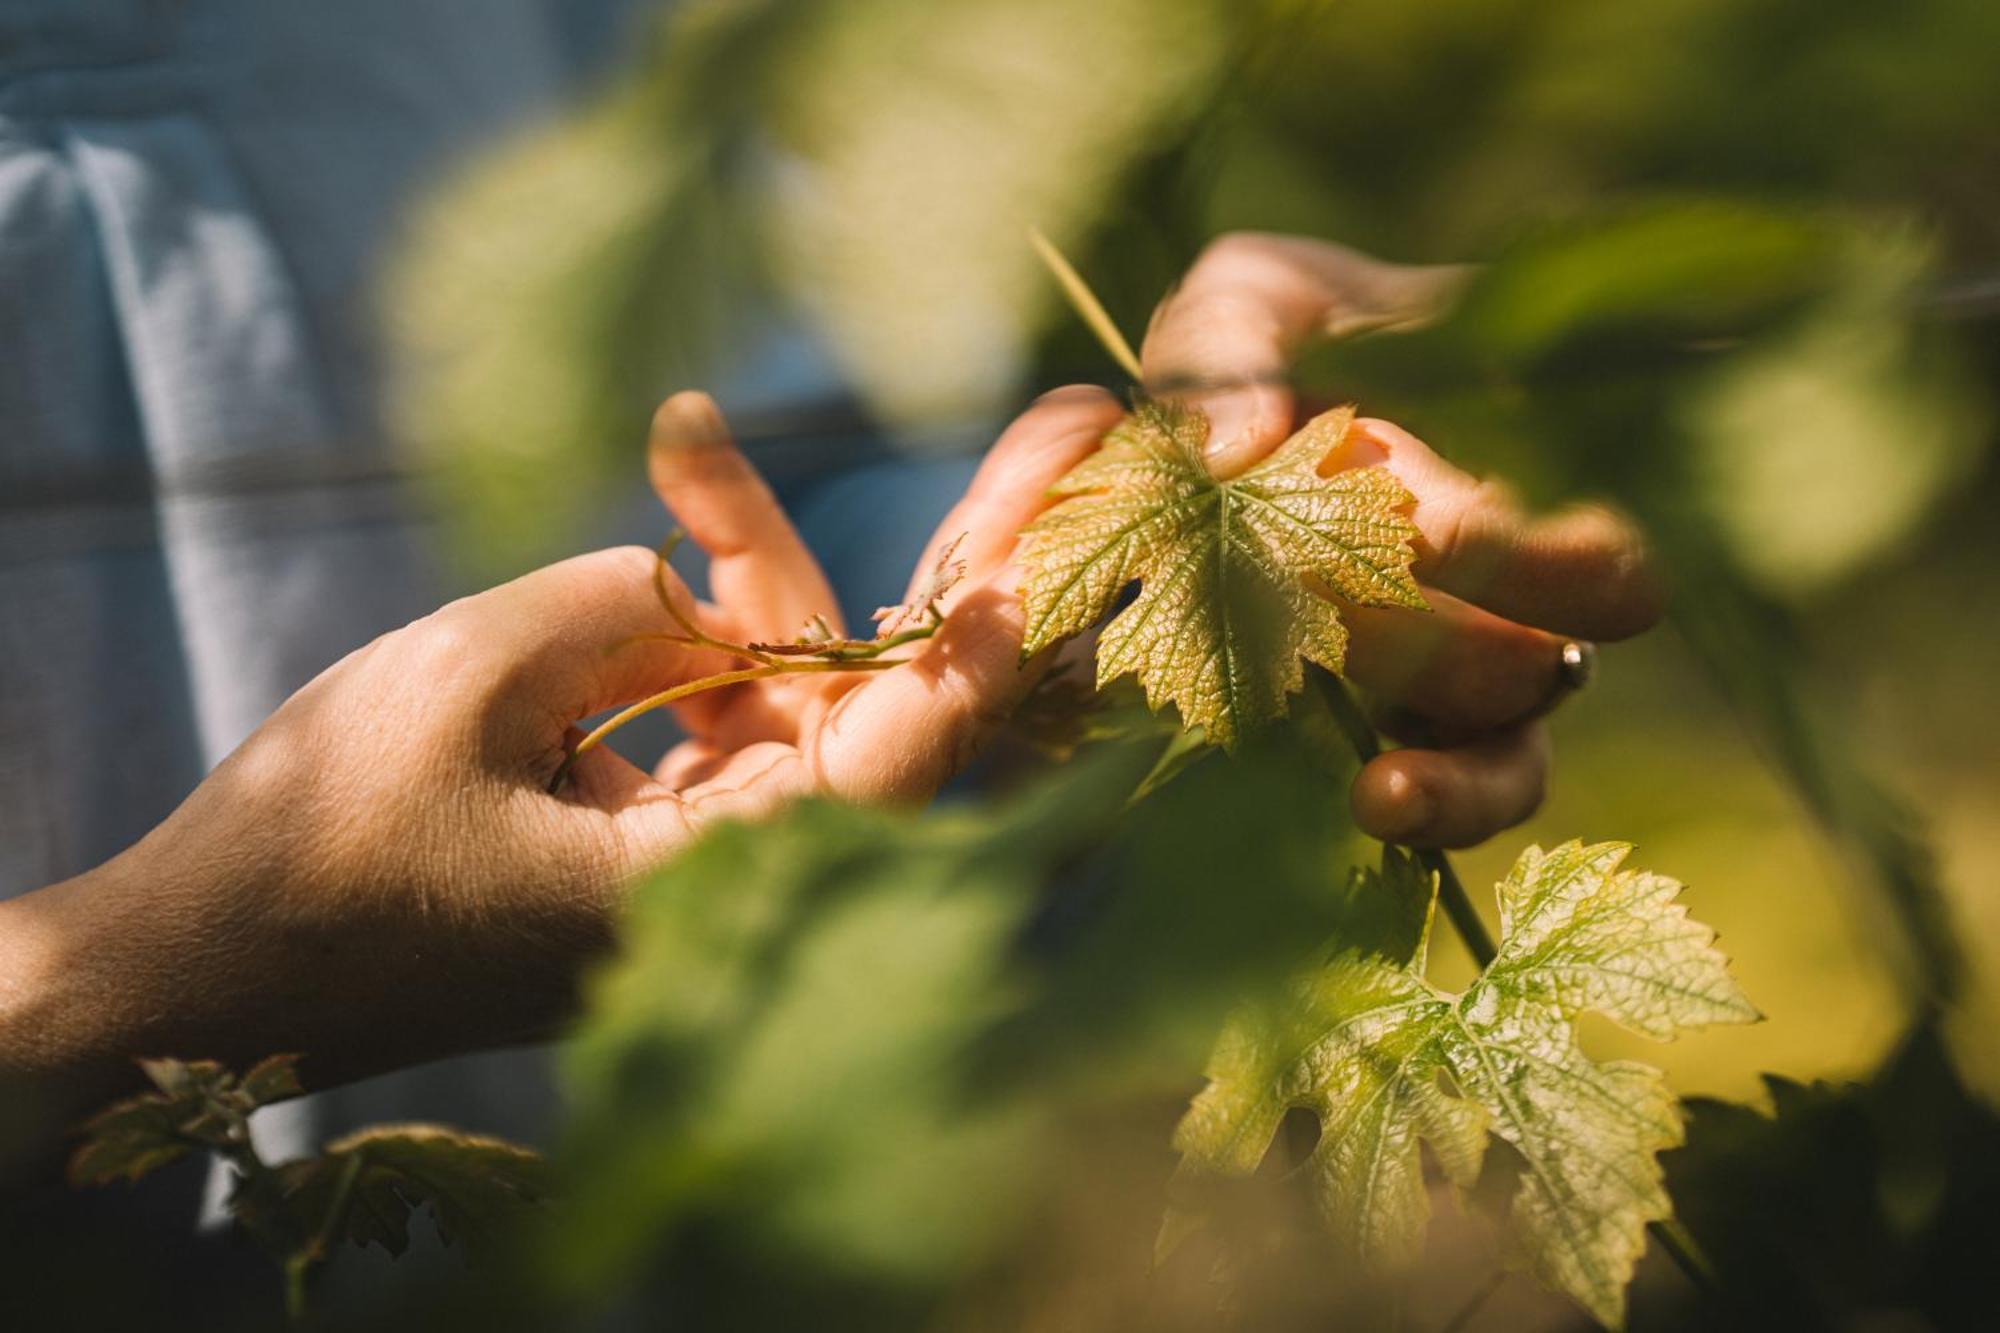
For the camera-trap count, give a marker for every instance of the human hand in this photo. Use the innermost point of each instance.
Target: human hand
(379, 876)
(1468, 683)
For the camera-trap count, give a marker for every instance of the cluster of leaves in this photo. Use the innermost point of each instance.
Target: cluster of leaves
(779, 1096)
(825, 1032)
(360, 1188)
(196, 1105)
(1381, 1056)
(827, 1035)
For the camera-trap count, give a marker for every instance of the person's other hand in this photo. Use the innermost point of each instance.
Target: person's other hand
(379, 875)
(1468, 683)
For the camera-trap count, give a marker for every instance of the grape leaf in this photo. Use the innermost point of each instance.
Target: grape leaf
(1385, 1060)
(1233, 575)
(198, 1104)
(473, 1185)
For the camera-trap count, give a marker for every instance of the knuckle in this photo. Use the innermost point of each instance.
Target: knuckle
(1204, 308)
(440, 645)
(1493, 497)
(1494, 684)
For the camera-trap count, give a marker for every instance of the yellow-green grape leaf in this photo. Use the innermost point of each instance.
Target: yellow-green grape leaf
(1233, 575)
(1385, 1060)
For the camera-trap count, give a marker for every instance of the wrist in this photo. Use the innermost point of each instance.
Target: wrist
(117, 963)
(34, 970)
(58, 1043)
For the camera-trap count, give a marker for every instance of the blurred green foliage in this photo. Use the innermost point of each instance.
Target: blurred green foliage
(873, 167)
(845, 1046)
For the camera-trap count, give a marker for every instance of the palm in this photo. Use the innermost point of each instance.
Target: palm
(894, 733)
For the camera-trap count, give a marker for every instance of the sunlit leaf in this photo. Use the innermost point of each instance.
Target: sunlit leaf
(1386, 1060)
(1233, 575)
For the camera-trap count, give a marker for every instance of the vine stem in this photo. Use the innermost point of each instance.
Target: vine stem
(299, 1263)
(693, 687)
(1672, 1237)
(1457, 903)
(771, 660)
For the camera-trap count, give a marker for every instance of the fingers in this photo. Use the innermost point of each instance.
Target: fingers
(1581, 571)
(1456, 665)
(1012, 484)
(900, 736)
(1453, 797)
(1245, 308)
(760, 572)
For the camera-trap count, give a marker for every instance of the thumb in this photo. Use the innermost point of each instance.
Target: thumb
(1226, 338)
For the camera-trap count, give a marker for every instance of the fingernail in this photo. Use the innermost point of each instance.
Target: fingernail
(1230, 416)
(689, 420)
(1244, 424)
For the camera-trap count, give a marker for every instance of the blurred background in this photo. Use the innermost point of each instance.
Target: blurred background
(1739, 271)
(1743, 276)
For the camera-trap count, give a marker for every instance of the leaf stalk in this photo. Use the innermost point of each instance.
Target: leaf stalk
(771, 660)
(1452, 897)
(1088, 308)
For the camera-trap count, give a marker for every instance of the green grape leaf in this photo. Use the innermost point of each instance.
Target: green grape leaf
(1387, 1060)
(196, 1104)
(363, 1187)
(1233, 576)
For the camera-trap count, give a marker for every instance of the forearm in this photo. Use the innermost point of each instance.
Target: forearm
(200, 943)
(136, 958)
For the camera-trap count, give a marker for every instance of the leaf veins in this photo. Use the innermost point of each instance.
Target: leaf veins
(1385, 1059)
(1235, 577)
